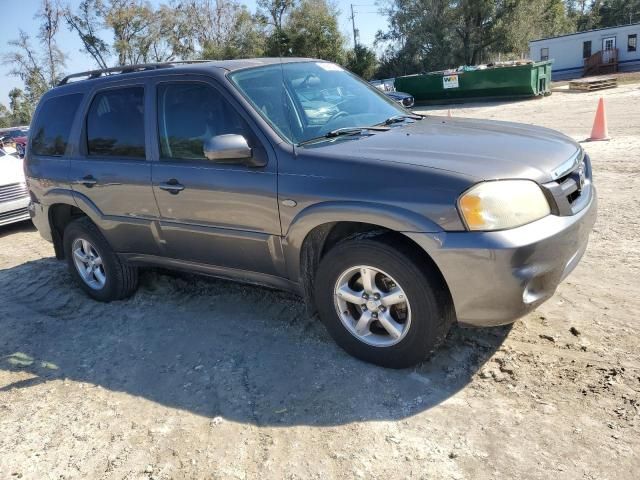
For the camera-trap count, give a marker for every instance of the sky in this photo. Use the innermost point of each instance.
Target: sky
(368, 22)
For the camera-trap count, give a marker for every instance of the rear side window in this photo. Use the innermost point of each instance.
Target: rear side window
(50, 133)
(115, 123)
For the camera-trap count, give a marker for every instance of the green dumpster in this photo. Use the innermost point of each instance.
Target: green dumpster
(517, 80)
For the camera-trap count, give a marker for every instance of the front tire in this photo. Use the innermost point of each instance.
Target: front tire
(382, 304)
(94, 264)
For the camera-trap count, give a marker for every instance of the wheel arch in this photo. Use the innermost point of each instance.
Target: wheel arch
(60, 214)
(314, 231)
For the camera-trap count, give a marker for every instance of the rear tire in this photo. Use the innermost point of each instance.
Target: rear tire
(397, 335)
(94, 264)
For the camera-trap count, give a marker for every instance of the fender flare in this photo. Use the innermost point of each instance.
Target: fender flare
(42, 217)
(88, 207)
(58, 196)
(106, 223)
(53, 197)
(387, 216)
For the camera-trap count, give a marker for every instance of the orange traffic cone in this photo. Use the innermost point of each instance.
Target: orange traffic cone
(599, 130)
(449, 113)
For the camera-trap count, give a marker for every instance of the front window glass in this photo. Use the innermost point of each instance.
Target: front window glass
(305, 100)
(189, 114)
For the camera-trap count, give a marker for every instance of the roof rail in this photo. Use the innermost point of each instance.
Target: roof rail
(90, 74)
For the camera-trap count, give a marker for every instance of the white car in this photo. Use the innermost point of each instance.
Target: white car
(14, 196)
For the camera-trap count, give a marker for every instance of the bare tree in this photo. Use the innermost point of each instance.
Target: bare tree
(86, 21)
(26, 64)
(49, 16)
(213, 21)
(41, 66)
(24, 60)
(275, 11)
(214, 29)
(130, 22)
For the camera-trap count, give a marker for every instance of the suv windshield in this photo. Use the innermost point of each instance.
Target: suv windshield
(305, 100)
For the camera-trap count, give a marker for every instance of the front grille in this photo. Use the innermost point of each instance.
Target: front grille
(572, 190)
(572, 184)
(14, 216)
(13, 191)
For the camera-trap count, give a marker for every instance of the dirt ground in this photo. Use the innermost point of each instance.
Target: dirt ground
(195, 378)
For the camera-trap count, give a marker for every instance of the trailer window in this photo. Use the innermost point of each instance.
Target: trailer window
(544, 54)
(586, 49)
(632, 43)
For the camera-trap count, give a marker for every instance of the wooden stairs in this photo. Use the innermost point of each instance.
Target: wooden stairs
(600, 63)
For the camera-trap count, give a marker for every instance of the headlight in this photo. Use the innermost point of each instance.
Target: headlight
(502, 204)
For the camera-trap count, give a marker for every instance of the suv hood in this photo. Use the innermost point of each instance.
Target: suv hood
(483, 149)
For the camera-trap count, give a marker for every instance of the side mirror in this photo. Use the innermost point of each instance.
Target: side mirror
(229, 148)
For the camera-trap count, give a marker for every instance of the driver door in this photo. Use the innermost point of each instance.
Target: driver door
(221, 214)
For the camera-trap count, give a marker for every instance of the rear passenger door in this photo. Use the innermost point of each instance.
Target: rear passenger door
(111, 173)
(218, 213)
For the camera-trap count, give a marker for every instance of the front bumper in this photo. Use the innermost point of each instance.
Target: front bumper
(40, 217)
(14, 211)
(497, 277)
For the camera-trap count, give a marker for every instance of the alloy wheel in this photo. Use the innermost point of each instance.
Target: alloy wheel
(89, 264)
(372, 306)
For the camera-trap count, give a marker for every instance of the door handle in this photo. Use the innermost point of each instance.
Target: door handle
(172, 186)
(88, 181)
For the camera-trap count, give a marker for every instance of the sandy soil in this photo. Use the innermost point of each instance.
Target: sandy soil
(194, 378)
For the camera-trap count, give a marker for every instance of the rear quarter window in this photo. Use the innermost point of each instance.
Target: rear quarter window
(50, 133)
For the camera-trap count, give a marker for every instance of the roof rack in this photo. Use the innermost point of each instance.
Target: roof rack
(91, 74)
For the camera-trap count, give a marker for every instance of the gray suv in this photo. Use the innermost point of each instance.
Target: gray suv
(297, 175)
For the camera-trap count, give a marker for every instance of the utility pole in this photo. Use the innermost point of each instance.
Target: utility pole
(355, 32)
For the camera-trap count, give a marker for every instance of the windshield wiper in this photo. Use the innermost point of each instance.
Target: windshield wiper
(338, 132)
(401, 118)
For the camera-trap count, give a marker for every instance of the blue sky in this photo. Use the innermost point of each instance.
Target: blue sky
(368, 21)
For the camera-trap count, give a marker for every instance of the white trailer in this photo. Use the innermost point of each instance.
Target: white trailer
(601, 51)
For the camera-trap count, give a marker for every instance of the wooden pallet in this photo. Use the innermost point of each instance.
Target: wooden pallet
(592, 84)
